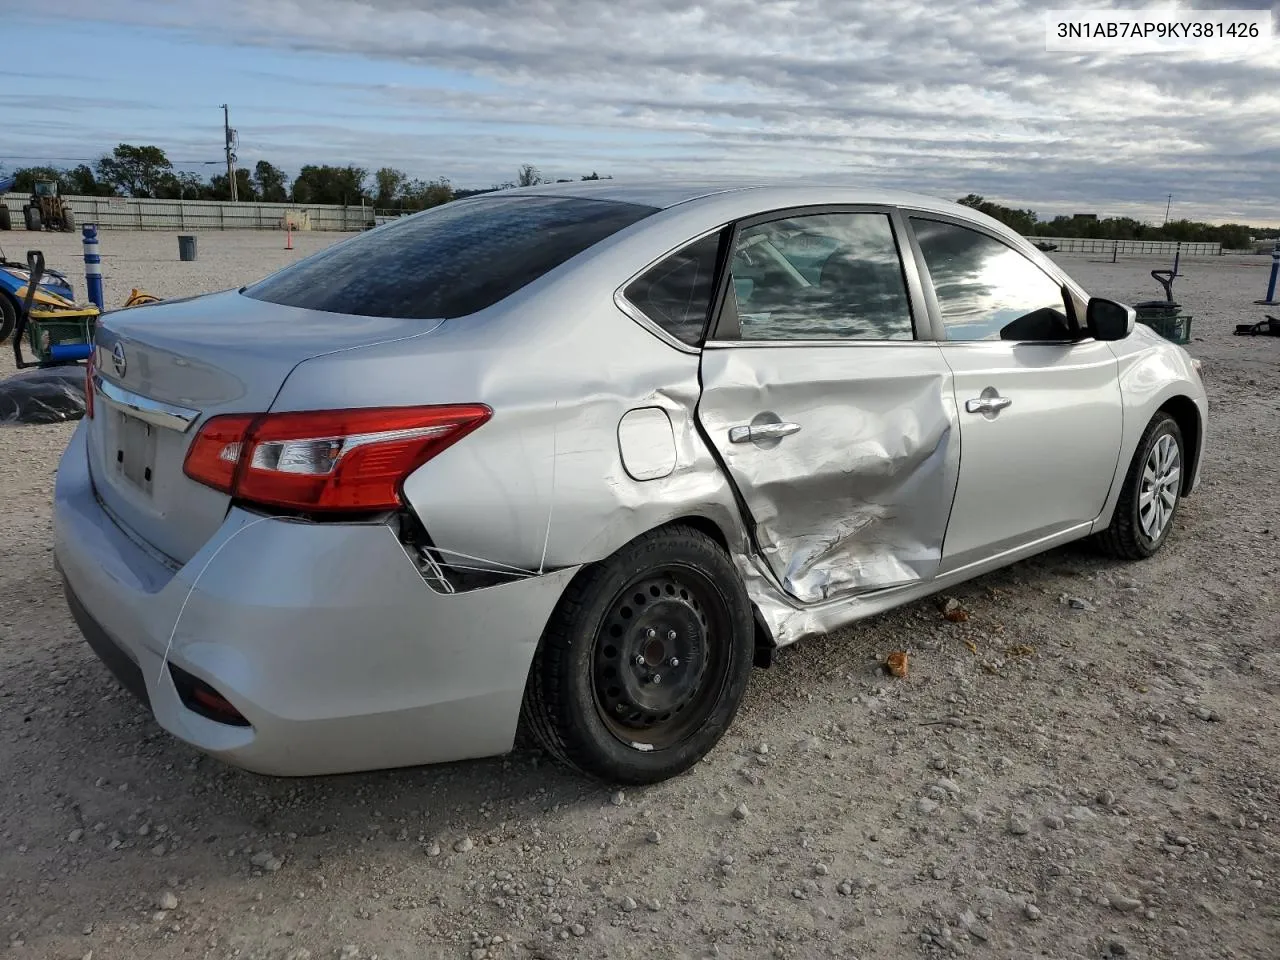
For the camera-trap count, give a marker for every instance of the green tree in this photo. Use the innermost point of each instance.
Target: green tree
(245, 188)
(271, 182)
(326, 184)
(420, 195)
(82, 183)
(1024, 221)
(25, 178)
(390, 182)
(137, 171)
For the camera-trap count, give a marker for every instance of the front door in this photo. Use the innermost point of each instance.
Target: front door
(835, 424)
(1040, 410)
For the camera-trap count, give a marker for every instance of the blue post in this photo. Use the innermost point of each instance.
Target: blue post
(1271, 300)
(92, 265)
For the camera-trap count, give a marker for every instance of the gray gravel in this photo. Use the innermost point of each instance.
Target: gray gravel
(1170, 672)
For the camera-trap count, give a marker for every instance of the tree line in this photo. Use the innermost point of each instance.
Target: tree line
(1232, 236)
(145, 171)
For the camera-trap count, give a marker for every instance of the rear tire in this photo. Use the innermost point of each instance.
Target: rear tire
(644, 661)
(8, 317)
(33, 219)
(6, 218)
(68, 219)
(1152, 491)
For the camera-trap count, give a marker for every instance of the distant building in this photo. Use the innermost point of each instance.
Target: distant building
(1084, 216)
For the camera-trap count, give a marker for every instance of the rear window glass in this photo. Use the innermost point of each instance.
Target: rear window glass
(449, 261)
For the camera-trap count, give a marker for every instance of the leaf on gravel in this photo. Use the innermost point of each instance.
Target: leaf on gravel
(896, 663)
(973, 647)
(1021, 650)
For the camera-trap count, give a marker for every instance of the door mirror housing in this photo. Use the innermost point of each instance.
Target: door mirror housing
(1109, 320)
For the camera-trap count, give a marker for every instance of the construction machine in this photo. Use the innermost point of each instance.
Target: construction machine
(6, 184)
(47, 210)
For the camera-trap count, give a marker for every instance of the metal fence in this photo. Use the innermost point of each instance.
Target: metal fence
(1130, 247)
(129, 213)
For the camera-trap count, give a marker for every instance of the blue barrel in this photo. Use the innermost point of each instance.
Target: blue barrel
(186, 248)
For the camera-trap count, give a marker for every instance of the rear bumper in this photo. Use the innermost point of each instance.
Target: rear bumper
(323, 636)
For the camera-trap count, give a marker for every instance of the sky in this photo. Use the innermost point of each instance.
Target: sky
(941, 97)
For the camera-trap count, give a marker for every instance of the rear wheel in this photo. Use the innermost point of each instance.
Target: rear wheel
(33, 218)
(644, 661)
(68, 219)
(1152, 491)
(8, 317)
(6, 218)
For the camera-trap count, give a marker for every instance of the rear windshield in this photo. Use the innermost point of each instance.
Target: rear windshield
(451, 260)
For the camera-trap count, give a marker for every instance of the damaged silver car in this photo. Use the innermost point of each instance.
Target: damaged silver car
(577, 457)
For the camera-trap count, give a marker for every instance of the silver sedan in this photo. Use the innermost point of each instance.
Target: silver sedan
(577, 457)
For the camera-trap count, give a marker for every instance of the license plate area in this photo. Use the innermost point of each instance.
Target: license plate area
(133, 451)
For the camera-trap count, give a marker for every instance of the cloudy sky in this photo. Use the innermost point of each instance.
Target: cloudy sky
(943, 97)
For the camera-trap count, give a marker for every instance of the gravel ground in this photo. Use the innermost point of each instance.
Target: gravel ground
(1054, 778)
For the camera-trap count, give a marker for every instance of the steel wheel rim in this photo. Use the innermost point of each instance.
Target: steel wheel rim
(653, 690)
(1158, 493)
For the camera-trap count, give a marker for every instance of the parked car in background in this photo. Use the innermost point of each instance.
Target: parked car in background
(578, 456)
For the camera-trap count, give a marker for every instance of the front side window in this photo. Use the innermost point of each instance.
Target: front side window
(451, 260)
(676, 293)
(834, 276)
(988, 291)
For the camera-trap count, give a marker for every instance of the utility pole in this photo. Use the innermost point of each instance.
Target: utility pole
(1166, 208)
(231, 154)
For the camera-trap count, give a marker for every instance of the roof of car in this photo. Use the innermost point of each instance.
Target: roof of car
(664, 193)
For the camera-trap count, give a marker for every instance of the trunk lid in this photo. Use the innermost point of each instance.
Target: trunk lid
(167, 368)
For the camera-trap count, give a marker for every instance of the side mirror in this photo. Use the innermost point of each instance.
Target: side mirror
(1108, 320)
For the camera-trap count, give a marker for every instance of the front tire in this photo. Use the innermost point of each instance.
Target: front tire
(1152, 491)
(644, 661)
(8, 317)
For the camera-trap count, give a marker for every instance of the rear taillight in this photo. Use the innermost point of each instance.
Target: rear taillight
(88, 386)
(215, 452)
(326, 460)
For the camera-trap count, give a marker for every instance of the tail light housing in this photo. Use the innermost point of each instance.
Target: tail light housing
(325, 460)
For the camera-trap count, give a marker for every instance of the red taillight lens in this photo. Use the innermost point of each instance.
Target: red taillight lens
(88, 386)
(326, 460)
(215, 452)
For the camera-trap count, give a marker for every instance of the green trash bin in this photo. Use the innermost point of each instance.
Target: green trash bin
(1165, 318)
(186, 248)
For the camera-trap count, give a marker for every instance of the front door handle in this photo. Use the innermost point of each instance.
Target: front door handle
(752, 432)
(987, 404)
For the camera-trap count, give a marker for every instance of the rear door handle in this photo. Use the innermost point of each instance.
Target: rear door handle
(987, 404)
(750, 433)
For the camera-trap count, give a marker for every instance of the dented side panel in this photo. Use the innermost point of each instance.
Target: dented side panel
(858, 498)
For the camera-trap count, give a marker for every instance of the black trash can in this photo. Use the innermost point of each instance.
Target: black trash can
(186, 248)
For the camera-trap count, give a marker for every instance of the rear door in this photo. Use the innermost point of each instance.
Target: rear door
(1040, 408)
(835, 423)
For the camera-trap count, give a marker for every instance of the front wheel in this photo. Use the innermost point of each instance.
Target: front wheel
(1152, 491)
(8, 317)
(644, 661)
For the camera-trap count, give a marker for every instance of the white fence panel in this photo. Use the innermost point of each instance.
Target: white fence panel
(1130, 247)
(130, 213)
